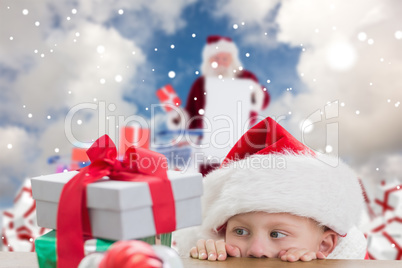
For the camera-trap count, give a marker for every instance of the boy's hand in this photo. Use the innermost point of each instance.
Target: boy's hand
(295, 254)
(213, 250)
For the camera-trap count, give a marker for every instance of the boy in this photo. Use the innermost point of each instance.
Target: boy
(274, 198)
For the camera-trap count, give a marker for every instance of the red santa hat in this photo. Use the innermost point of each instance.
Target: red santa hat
(269, 170)
(216, 44)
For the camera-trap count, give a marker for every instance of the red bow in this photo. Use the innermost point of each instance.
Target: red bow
(138, 165)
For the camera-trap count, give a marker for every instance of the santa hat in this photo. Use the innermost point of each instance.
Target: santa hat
(216, 44)
(269, 170)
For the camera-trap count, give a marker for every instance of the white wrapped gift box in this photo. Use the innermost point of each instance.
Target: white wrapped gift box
(120, 210)
(380, 248)
(394, 199)
(19, 222)
(374, 226)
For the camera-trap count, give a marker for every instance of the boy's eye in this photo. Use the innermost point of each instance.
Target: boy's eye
(241, 231)
(275, 234)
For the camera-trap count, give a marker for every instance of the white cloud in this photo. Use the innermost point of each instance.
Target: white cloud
(367, 83)
(17, 159)
(370, 82)
(351, 55)
(253, 18)
(59, 58)
(75, 73)
(60, 67)
(67, 54)
(252, 11)
(167, 14)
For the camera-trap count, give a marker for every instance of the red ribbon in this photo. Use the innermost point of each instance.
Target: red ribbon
(367, 200)
(382, 226)
(139, 165)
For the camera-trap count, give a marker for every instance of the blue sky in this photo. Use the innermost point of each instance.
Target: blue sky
(276, 64)
(56, 56)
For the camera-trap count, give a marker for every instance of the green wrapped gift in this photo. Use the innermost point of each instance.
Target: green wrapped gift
(45, 246)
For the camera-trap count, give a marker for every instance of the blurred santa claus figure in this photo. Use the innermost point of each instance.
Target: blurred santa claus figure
(223, 84)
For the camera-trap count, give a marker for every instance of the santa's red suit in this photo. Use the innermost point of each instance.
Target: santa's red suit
(196, 99)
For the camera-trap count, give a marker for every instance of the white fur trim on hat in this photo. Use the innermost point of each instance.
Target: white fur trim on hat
(220, 46)
(352, 246)
(303, 185)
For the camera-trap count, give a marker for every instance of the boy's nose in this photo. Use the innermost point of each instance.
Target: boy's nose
(259, 248)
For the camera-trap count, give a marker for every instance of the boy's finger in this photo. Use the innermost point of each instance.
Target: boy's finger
(293, 254)
(232, 251)
(202, 253)
(221, 250)
(194, 253)
(308, 256)
(281, 253)
(211, 250)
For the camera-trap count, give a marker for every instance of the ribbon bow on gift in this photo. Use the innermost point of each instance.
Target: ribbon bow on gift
(139, 165)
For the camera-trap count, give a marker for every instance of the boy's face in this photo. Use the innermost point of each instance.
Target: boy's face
(261, 234)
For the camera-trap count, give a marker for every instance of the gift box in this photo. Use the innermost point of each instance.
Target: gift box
(79, 158)
(115, 199)
(384, 236)
(120, 210)
(19, 222)
(384, 246)
(168, 97)
(46, 247)
(388, 196)
(384, 230)
(133, 136)
(394, 224)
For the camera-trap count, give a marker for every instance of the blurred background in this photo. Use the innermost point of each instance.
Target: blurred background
(311, 55)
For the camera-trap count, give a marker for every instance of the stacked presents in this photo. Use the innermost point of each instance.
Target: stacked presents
(112, 199)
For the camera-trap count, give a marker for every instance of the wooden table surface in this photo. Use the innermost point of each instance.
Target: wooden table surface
(276, 263)
(28, 260)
